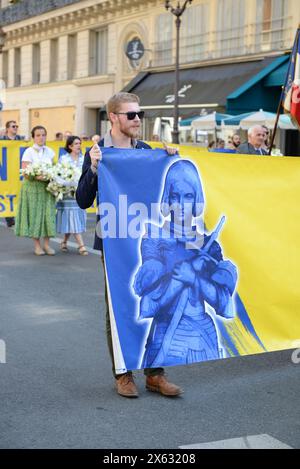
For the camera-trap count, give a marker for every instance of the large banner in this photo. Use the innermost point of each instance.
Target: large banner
(202, 255)
(10, 179)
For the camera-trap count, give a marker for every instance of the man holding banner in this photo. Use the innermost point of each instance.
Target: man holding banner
(125, 116)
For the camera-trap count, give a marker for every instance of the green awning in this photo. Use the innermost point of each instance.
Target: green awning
(259, 77)
(277, 77)
(261, 91)
(204, 87)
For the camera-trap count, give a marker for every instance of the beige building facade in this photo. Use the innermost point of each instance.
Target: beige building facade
(59, 66)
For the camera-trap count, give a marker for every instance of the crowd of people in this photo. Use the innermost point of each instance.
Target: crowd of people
(60, 137)
(10, 132)
(233, 143)
(258, 142)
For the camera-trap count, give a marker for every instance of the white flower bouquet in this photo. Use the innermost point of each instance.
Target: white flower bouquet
(64, 180)
(34, 170)
(276, 152)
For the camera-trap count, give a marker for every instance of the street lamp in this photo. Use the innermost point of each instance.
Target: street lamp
(178, 11)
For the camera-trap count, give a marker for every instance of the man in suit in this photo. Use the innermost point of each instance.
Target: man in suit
(123, 110)
(255, 144)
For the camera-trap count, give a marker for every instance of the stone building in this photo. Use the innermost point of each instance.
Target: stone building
(61, 60)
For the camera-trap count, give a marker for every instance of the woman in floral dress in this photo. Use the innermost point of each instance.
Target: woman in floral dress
(70, 218)
(36, 209)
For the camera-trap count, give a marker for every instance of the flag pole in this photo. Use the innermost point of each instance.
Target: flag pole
(281, 95)
(277, 118)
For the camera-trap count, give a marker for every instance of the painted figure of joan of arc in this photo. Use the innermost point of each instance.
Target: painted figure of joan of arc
(181, 271)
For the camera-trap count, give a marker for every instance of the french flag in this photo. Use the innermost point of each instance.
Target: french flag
(291, 92)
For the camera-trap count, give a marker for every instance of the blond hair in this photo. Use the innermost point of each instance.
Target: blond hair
(114, 103)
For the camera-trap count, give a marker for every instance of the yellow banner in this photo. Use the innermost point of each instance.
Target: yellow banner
(260, 197)
(10, 180)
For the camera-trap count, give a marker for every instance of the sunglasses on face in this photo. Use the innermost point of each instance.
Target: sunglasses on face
(14, 126)
(131, 115)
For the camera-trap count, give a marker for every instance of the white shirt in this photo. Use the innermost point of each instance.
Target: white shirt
(67, 158)
(36, 154)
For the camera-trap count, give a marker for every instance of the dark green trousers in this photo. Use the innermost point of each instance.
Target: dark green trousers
(147, 371)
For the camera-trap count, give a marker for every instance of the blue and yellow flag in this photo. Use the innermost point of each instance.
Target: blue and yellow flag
(202, 255)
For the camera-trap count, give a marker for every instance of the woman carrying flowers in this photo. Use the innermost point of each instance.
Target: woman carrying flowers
(36, 208)
(70, 218)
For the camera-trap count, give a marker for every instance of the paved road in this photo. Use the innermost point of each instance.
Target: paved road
(56, 388)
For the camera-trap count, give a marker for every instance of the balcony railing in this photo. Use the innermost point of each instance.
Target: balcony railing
(253, 38)
(28, 8)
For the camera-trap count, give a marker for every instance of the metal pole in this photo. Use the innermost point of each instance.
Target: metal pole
(276, 123)
(178, 11)
(175, 133)
(282, 93)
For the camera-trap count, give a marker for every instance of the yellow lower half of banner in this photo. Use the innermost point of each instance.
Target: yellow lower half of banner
(260, 199)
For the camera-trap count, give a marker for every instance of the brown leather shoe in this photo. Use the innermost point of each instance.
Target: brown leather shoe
(159, 383)
(126, 386)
